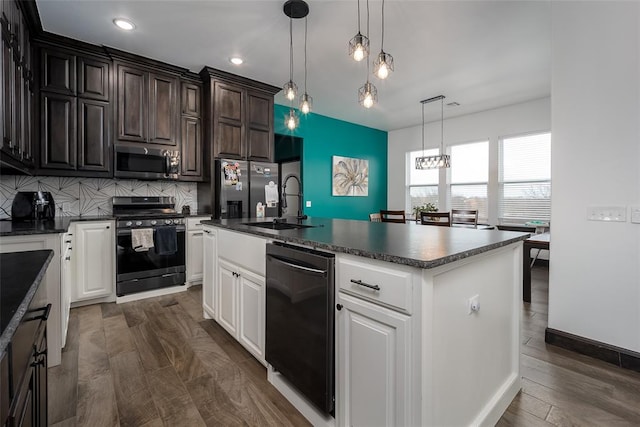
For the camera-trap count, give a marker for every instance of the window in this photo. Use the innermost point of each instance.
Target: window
(422, 185)
(525, 178)
(469, 177)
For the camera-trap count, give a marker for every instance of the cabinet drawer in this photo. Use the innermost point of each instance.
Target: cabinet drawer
(195, 223)
(376, 281)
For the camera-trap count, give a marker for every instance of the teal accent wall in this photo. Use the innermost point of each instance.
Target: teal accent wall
(324, 138)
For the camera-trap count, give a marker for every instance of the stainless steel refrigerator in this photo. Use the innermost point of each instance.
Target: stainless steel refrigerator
(240, 185)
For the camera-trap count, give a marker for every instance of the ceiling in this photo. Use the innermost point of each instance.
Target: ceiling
(481, 54)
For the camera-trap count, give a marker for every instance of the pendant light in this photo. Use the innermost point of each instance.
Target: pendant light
(441, 160)
(290, 89)
(359, 44)
(306, 101)
(383, 64)
(368, 94)
(294, 9)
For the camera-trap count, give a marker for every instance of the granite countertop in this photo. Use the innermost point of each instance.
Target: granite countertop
(20, 276)
(59, 224)
(415, 245)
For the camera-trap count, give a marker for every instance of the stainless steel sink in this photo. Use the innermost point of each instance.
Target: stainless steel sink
(277, 225)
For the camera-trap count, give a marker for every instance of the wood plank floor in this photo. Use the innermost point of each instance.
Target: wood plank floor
(159, 362)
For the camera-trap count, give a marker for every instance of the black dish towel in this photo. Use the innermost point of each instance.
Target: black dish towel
(165, 240)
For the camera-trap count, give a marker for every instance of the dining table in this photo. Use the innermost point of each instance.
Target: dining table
(536, 241)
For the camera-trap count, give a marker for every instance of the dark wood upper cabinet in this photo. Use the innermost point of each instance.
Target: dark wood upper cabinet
(133, 93)
(93, 79)
(57, 131)
(191, 95)
(259, 126)
(191, 147)
(240, 116)
(147, 106)
(163, 109)
(93, 136)
(58, 71)
(228, 121)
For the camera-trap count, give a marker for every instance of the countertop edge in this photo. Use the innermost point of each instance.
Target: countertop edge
(368, 254)
(7, 334)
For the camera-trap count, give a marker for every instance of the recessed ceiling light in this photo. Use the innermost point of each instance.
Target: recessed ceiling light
(236, 60)
(124, 24)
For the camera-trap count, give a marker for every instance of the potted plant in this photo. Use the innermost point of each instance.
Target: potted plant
(427, 207)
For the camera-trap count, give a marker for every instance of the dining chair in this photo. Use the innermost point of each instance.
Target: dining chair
(375, 217)
(443, 219)
(465, 217)
(392, 216)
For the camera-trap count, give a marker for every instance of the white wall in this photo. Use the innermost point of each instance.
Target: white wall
(527, 117)
(594, 288)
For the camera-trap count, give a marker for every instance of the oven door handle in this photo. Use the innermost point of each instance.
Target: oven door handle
(127, 231)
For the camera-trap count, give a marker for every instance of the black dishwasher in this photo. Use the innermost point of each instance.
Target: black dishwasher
(300, 320)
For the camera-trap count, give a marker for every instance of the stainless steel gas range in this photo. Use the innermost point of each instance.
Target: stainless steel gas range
(150, 237)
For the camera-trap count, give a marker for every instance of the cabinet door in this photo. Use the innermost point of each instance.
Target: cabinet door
(58, 71)
(373, 365)
(191, 147)
(194, 255)
(163, 104)
(228, 119)
(133, 94)
(58, 131)
(227, 297)
(7, 83)
(251, 328)
(259, 126)
(94, 253)
(28, 101)
(191, 99)
(209, 273)
(93, 79)
(93, 136)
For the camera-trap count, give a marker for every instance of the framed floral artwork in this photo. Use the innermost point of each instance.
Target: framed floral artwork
(350, 176)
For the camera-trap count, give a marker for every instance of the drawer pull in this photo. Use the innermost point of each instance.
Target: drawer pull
(366, 285)
(45, 315)
(207, 231)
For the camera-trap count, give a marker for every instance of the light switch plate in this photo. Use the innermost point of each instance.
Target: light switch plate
(607, 213)
(308, 204)
(635, 214)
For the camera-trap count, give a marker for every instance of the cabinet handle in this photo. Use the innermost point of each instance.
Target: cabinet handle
(108, 226)
(366, 285)
(45, 315)
(67, 241)
(39, 362)
(207, 231)
(339, 307)
(68, 258)
(197, 234)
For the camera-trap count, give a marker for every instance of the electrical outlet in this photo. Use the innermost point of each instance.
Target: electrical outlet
(308, 204)
(607, 213)
(474, 304)
(635, 214)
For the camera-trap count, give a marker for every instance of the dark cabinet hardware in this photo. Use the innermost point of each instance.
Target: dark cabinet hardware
(339, 307)
(366, 285)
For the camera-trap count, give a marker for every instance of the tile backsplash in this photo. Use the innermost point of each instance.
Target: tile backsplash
(92, 196)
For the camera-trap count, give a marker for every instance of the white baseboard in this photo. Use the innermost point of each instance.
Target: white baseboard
(315, 417)
(499, 402)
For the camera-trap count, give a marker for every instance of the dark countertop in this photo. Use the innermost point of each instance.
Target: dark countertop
(20, 276)
(415, 245)
(59, 224)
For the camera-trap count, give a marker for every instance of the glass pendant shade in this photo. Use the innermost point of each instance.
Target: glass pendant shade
(290, 90)
(359, 47)
(383, 65)
(306, 103)
(291, 120)
(368, 95)
(433, 162)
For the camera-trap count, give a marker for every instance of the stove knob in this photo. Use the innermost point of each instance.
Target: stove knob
(167, 221)
(129, 224)
(154, 222)
(138, 223)
(177, 221)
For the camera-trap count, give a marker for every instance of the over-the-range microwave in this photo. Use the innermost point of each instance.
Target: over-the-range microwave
(146, 162)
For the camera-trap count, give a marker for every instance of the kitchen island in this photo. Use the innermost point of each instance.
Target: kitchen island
(426, 319)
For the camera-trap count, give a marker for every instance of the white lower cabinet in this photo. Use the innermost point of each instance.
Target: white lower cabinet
(209, 272)
(94, 253)
(242, 306)
(373, 364)
(67, 280)
(194, 258)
